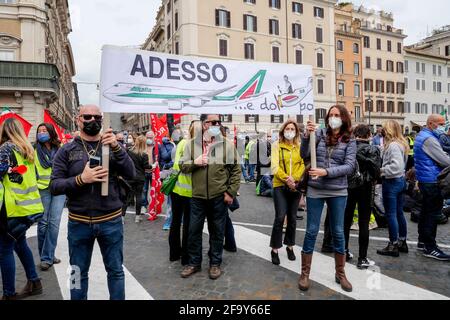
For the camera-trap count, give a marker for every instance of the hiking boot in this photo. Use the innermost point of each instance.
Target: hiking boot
(189, 271)
(214, 272)
(402, 246)
(290, 254)
(32, 288)
(390, 250)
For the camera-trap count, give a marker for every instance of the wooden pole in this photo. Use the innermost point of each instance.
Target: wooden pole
(105, 155)
(312, 145)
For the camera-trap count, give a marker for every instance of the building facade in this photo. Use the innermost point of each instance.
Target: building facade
(36, 61)
(383, 67)
(349, 69)
(295, 32)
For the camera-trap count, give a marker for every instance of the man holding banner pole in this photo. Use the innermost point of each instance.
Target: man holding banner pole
(78, 173)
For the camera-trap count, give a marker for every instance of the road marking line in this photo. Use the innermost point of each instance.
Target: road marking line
(98, 286)
(367, 284)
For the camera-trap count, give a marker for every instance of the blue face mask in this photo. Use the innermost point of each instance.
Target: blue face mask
(165, 140)
(43, 137)
(439, 130)
(214, 131)
(149, 142)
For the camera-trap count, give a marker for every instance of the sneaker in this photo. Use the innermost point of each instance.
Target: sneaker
(138, 219)
(348, 255)
(390, 250)
(364, 263)
(189, 271)
(436, 254)
(402, 246)
(214, 272)
(373, 225)
(166, 227)
(355, 226)
(290, 254)
(420, 246)
(275, 258)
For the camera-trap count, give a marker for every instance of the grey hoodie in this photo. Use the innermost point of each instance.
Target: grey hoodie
(394, 161)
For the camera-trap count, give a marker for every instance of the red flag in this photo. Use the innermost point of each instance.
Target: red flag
(48, 119)
(156, 197)
(159, 128)
(25, 124)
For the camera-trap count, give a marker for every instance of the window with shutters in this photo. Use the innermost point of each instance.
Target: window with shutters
(423, 85)
(223, 47)
(423, 68)
(298, 56)
(341, 89)
(400, 88)
(355, 48)
(380, 106)
(319, 35)
(439, 71)
(223, 18)
(356, 69)
(177, 48)
(249, 51)
(368, 85)
(319, 60)
(251, 118)
(389, 45)
(321, 113)
(417, 107)
(434, 69)
(340, 45)
(320, 86)
(379, 64)
(318, 12)
(176, 21)
(406, 66)
(407, 107)
(279, 118)
(356, 90)
(250, 23)
(379, 84)
(378, 44)
(275, 4)
(296, 31)
(366, 42)
(367, 62)
(406, 83)
(417, 67)
(297, 7)
(390, 106)
(274, 27)
(275, 54)
(399, 47)
(399, 67)
(340, 65)
(417, 84)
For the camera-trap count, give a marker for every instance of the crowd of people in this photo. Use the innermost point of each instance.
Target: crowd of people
(204, 168)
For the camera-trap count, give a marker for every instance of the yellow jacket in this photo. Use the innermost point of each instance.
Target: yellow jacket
(282, 171)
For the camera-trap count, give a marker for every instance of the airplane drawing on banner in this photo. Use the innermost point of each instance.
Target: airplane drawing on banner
(178, 98)
(292, 97)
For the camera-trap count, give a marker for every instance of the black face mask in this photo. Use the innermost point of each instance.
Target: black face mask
(92, 128)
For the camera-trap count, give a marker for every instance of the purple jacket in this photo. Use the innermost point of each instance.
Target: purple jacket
(339, 161)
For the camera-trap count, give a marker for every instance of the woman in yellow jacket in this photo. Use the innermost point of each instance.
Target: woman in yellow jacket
(287, 168)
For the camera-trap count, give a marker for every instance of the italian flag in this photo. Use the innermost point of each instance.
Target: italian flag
(7, 113)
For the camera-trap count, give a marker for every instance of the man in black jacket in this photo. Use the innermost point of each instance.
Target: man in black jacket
(78, 174)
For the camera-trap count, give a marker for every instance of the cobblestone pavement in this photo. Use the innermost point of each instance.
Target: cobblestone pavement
(248, 274)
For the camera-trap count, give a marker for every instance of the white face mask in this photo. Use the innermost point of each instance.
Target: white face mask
(289, 135)
(335, 123)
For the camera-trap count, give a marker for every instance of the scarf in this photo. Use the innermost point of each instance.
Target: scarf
(45, 156)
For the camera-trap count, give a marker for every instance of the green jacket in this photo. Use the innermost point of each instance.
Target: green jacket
(222, 174)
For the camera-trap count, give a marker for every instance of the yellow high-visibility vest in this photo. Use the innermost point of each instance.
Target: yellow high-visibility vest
(43, 178)
(183, 186)
(22, 199)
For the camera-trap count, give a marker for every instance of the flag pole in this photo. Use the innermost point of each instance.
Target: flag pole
(312, 145)
(105, 155)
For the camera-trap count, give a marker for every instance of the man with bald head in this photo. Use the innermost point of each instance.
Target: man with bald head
(430, 160)
(78, 173)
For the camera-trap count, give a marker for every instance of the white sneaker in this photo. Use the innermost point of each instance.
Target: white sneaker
(138, 219)
(354, 226)
(373, 225)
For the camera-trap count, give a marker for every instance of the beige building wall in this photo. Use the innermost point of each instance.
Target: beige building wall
(198, 35)
(380, 25)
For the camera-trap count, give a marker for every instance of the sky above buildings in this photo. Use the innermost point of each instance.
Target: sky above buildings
(99, 22)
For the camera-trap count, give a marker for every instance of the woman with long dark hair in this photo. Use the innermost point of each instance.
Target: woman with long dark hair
(47, 144)
(20, 203)
(336, 156)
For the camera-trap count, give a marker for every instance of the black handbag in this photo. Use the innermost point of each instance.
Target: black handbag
(124, 189)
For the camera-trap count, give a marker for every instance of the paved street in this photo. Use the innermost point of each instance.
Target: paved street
(248, 273)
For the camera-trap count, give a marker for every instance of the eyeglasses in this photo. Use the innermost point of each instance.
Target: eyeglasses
(88, 117)
(214, 122)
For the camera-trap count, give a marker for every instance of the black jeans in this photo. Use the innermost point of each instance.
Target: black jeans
(215, 210)
(286, 203)
(181, 210)
(230, 242)
(431, 209)
(137, 188)
(363, 197)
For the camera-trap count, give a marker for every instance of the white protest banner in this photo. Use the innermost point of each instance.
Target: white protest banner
(137, 81)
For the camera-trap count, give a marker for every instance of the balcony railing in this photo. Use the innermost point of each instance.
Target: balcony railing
(29, 76)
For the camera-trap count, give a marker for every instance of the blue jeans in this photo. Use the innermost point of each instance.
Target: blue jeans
(8, 264)
(81, 238)
(251, 169)
(244, 168)
(147, 186)
(393, 198)
(336, 206)
(48, 226)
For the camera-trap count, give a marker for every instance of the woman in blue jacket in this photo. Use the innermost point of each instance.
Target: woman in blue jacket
(336, 156)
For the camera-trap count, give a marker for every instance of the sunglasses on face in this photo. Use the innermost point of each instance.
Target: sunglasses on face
(88, 117)
(214, 122)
